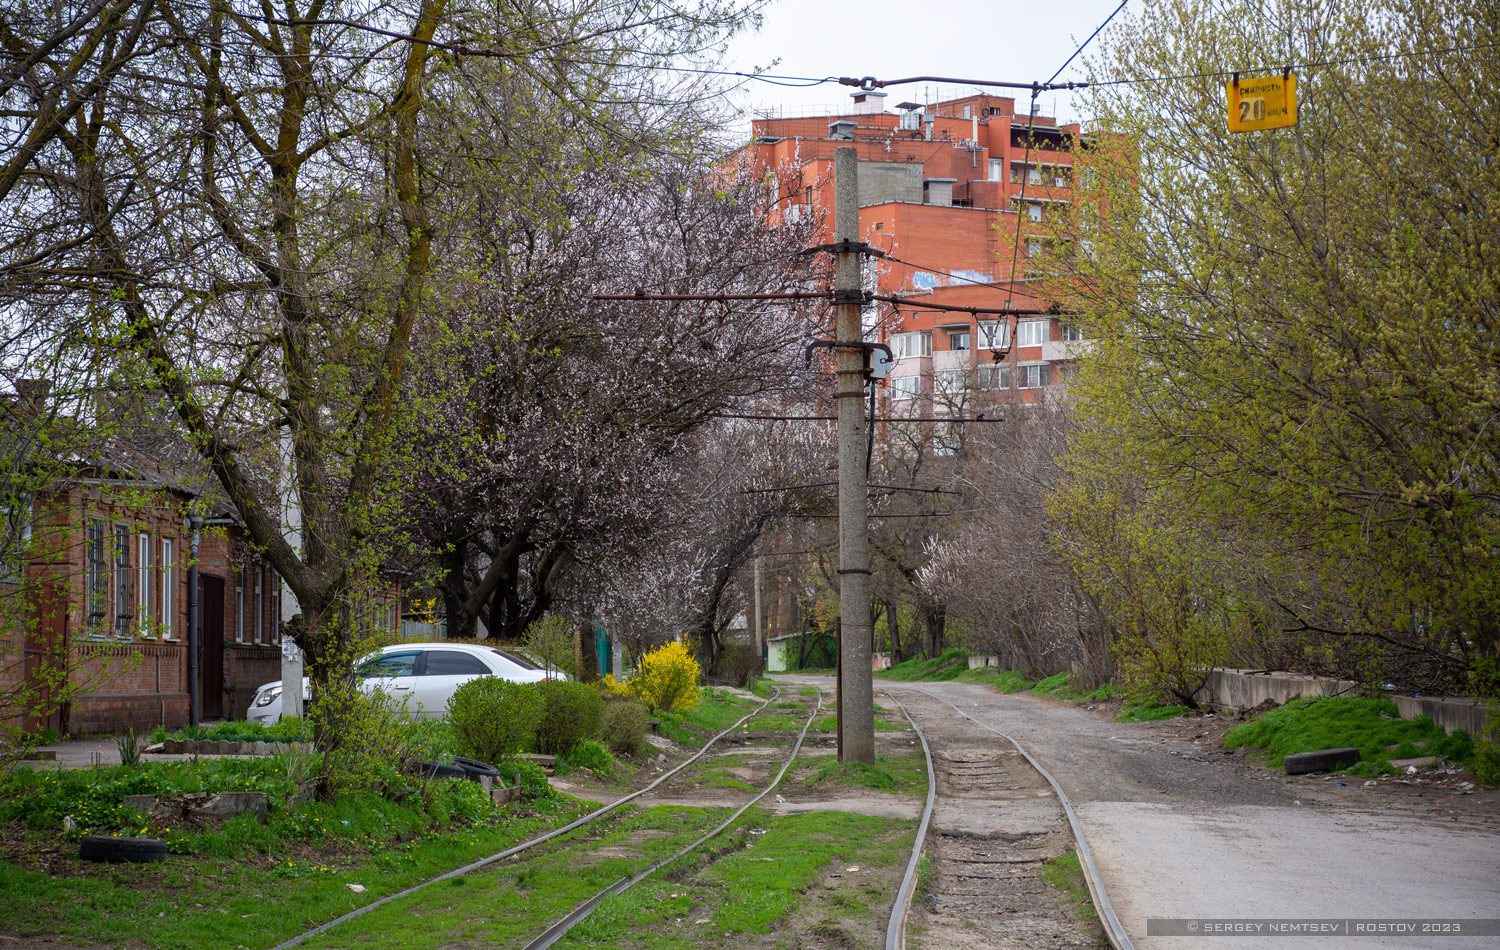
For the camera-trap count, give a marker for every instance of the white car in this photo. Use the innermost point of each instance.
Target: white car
(423, 674)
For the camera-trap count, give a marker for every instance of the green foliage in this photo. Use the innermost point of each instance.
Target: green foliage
(666, 679)
(1370, 725)
(1487, 762)
(949, 665)
(625, 725)
(130, 748)
(531, 777)
(287, 729)
(571, 712)
(1060, 686)
(491, 718)
(552, 642)
(1285, 418)
(588, 754)
(1009, 681)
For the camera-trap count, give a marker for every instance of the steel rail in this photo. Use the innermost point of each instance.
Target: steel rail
(555, 932)
(1113, 929)
(540, 839)
(895, 930)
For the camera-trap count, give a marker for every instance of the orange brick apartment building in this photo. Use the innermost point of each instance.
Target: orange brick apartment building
(951, 193)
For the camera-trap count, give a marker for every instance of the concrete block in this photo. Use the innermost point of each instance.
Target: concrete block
(1324, 760)
(172, 746)
(146, 804)
(504, 796)
(229, 804)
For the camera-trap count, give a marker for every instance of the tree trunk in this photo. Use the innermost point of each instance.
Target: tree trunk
(936, 621)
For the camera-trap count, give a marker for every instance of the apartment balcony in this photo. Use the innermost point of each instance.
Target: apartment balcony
(1058, 350)
(951, 359)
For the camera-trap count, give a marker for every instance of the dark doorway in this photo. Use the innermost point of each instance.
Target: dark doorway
(211, 645)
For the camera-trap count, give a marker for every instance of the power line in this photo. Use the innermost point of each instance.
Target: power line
(1088, 41)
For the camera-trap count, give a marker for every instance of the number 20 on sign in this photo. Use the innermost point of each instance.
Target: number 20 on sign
(1262, 102)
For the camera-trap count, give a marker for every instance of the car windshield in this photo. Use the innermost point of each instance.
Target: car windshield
(522, 662)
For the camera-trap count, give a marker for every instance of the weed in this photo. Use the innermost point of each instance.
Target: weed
(949, 665)
(1065, 873)
(1370, 725)
(130, 748)
(591, 755)
(1150, 712)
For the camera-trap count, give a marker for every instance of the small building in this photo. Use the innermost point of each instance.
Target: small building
(807, 650)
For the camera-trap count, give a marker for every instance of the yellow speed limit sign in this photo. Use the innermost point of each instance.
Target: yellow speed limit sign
(1262, 102)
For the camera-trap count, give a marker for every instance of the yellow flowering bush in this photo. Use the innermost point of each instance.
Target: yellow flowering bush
(666, 679)
(613, 687)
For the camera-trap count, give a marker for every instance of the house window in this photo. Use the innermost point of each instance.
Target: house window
(967, 114)
(96, 582)
(994, 376)
(143, 592)
(168, 588)
(907, 345)
(1031, 332)
(1034, 211)
(994, 334)
(1035, 247)
(959, 341)
(997, 168)
(259, 603)
(905, 387)
(239, 605)
(1031, 173)
(122, 580)
(1072, 334)
(1031, 376)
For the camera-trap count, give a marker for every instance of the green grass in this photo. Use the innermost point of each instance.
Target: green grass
(1370, 725)
(948, 665)
(718, 711)
(1007, 681)
(1065, 873)
(830, 723)
(889, 773)
(757, 880)
(723, 778)
(1150, 712)
(1060, 686)
(212, 897)
(288, 729)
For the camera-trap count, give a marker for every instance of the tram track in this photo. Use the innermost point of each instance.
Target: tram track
(974, 887)
(555, 833)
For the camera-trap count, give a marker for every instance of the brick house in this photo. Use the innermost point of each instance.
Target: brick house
(105, 584)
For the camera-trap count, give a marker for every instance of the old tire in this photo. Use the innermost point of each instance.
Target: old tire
(438, 770)
(474, 768)
(1324, 760)
(121, 850)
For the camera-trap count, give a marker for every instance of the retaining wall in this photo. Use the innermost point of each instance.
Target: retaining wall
(1237, 690)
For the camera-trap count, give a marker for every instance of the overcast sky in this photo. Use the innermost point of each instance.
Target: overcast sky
(969, 39)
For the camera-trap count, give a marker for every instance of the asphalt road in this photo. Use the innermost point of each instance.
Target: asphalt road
(1182, 830)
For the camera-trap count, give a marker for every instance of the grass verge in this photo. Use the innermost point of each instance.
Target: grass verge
(1371, 725)
(1150, 712)
(1065, 873)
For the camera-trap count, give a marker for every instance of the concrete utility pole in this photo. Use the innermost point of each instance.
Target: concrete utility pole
(758, 627)
(856, 698)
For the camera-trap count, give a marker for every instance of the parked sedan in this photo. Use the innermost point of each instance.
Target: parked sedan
(423, 674)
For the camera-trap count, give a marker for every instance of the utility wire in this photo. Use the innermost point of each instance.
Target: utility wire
(1087, 41)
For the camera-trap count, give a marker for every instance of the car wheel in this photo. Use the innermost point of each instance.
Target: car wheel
(121, 850)
(476, 768)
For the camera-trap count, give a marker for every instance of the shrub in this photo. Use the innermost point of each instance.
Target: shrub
(588, 754)
(492, 718)
(667, 679)
(531, 777)
(1487, 762)
(625, 724)
(613, 687)
(571, 713)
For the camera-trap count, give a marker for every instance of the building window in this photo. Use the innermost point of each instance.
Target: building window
(1031, 173)
(275, 581)
(994, 376)
(239, 605)
(122, 580)
(905, 387)
(1035, 247)
(96, 579)
(994, 334)
(1031, 376)
(997, 168)
(959, 341)
(1032, 332)
(255, 572)
(950, 382)
(967, 113)
(144, 591)
(908, 345)
(168, 588)
(17, 540)
(1034, 211)
(1072, 334)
